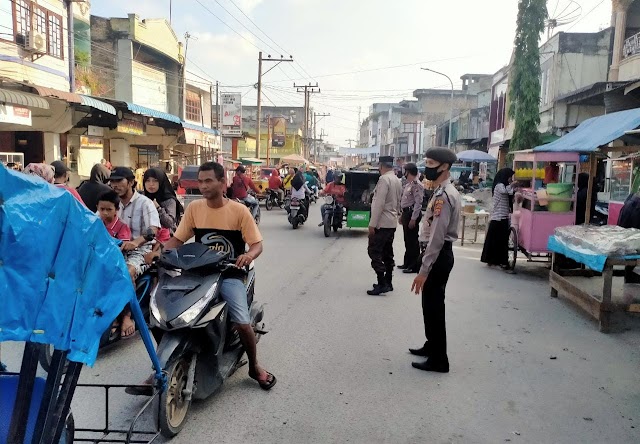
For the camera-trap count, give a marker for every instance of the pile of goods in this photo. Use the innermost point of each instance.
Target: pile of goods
(608, 240)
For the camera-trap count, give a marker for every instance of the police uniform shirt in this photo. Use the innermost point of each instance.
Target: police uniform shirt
(441, 223)
(386, 201)
(413, 195)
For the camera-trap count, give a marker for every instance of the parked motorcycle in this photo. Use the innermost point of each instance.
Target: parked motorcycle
(297, 213)
(333, 215)
(199, 348)
(272, 200)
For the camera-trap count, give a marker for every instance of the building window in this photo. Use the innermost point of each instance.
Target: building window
(28, 15)
(54, 35)
(192, 109)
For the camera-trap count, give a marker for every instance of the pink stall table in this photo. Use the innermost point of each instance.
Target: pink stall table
(544, 206)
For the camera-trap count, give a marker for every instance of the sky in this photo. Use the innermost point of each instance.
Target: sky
(359, 52)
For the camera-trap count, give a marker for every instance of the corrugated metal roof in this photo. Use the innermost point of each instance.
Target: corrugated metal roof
(57, 94)
(593, 133)
(202, 129)
(22, 98)
(97, 104)
(143, 110)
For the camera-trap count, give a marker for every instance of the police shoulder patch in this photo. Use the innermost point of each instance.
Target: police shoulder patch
(437, 207)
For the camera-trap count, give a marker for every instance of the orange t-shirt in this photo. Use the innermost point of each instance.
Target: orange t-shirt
(229, 228)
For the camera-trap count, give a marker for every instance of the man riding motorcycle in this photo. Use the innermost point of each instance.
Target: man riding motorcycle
(240, 185)
(275, 184)
(337, 189)
(224, 224)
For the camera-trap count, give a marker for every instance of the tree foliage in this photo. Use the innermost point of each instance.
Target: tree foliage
(524, 84)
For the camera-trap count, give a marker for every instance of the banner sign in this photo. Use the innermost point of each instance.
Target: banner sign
(15, 114)
(279, 136)
(231, 114)
(132, 127)
(90, 142)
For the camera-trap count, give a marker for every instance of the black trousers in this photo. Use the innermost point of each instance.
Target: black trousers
(411, 244)
(381, 250)
(433, 294)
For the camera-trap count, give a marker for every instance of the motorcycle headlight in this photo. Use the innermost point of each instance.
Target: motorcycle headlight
(153, 307)
(192, 313)
(328, 200)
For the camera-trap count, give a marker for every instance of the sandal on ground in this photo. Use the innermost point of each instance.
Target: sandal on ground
(268, 384)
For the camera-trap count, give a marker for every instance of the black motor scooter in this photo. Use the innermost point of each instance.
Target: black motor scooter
(198, 349)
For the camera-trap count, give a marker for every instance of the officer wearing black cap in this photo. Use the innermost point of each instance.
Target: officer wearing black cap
(385, 209)
(441, 228)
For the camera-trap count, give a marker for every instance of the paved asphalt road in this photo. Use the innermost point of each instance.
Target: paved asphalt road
(344, 374)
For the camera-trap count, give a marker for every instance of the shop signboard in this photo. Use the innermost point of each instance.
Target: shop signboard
(95, 131)
(133, 127)
(279, 132)
(15, 114)
(231, 114)
(91, 142)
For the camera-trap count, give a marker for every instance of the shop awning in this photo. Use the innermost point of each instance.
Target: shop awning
(202, 129)
(593, 133)
(143, 110)
(21, 98)
(57, 94)
(97, 104)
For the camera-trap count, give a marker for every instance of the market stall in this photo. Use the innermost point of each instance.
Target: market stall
(624, 180)
(547, 202)
(599, 249)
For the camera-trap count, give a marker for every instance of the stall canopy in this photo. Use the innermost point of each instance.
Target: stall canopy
(294, 158)
(593, 133)
(475, 156)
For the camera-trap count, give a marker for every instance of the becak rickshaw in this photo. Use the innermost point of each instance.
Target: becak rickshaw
(357, 208)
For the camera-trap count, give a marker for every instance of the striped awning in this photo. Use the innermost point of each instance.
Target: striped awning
(143, 110)
(21, 98)
(98, 104)
(67, 96)
(202, 129)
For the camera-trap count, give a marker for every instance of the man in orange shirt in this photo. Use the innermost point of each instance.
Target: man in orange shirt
(337, 189)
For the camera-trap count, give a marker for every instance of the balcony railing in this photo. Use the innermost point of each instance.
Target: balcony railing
(631, 46)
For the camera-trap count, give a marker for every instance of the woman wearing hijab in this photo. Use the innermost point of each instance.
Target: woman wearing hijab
(42, 170)
(157, 187)
(496, 243)
(95, 186)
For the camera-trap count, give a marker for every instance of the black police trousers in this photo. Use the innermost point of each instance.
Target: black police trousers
(433, 294)
(411, 244)
(381, 250)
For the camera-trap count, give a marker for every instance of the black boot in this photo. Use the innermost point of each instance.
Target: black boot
(389, 278)
(381, 287)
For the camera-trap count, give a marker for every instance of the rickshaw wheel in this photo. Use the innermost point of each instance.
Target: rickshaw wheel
(513, 249)
(327, 225)
(173, 404)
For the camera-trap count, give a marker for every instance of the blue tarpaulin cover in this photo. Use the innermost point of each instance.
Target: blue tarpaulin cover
(593, 133)
(63, 280)
(592, 260)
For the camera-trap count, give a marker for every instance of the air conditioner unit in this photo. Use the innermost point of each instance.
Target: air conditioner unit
(36, 42)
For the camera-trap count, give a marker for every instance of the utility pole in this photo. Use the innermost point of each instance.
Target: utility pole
(350, 141)
(315, 130)
(259, 85)
(307, 90)
(183, 102)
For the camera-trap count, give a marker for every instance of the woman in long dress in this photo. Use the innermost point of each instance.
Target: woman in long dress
(496, 243)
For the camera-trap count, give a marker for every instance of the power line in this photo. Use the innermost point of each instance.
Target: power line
(586, 15)
(227, 25)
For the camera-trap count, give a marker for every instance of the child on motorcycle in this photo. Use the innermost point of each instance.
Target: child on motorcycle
(108, 204)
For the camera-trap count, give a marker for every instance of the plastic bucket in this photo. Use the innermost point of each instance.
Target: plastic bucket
(561, 191)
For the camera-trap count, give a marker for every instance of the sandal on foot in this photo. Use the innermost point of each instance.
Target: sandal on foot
(269, 383)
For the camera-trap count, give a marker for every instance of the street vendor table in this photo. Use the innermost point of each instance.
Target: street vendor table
(599, 306)
(476, 217)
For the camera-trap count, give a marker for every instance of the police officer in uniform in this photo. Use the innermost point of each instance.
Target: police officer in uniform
(382, 226)
(441, 230)
(411, 204)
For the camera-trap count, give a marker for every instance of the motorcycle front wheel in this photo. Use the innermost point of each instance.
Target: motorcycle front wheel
(327, 225)
(268, 204)
(173, 404)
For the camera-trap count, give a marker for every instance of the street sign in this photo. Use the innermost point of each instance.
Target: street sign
(231, 114)
(15, 114)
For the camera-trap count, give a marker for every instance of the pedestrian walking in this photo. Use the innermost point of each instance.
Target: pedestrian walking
(411, 205)
(496, 243)
(441, 228)
(385, 209)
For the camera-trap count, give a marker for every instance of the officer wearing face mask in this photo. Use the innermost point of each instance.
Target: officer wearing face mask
(441, 229)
